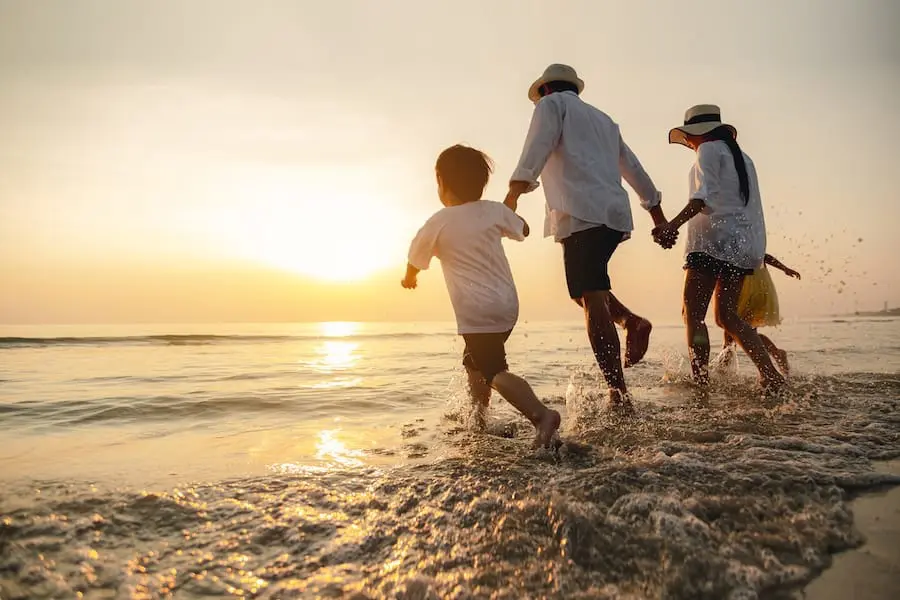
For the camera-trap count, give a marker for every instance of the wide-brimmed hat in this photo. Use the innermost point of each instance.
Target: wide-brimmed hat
(554, 73)
(699, 120)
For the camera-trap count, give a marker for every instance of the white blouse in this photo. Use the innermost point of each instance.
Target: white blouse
(727, 229)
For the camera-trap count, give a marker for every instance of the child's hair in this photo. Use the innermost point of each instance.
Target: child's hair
(464, 171)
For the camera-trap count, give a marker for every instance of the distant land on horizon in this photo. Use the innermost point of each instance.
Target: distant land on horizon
(886, 312)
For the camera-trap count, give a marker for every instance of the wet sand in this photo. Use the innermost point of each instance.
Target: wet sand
(872, 571)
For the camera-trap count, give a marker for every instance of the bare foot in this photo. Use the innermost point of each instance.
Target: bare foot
(700, 373)
(782, 361)
(620, 404)
(724, 360)
(637, 340)
(773, 387)
(546, 428)
(478, 417)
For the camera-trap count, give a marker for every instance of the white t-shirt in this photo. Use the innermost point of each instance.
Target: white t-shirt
(727, 229)
(466, 239)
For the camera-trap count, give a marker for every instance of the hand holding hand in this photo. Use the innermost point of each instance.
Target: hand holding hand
(516, 189)
(665, 235)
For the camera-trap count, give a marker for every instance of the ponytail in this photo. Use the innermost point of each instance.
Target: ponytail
(725, 134)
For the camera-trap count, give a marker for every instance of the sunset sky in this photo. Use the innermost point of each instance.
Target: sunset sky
(177, 161)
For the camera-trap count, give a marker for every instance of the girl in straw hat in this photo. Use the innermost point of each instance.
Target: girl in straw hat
(726, 238)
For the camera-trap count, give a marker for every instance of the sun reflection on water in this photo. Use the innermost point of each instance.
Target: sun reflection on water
(327, 449)
(339, 382)
(336, 356)
(330, 448)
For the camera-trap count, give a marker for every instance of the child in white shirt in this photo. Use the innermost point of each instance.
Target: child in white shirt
(466, 236)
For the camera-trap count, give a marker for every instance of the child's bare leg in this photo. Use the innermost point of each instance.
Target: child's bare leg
(480, 394)
(728, 341)
(777, 353)
(726, 356)
(517, 392)
(728, 290)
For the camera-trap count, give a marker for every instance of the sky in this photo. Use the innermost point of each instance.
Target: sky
(195, 161)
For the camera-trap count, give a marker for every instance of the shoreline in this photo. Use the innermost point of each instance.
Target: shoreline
(872, 571)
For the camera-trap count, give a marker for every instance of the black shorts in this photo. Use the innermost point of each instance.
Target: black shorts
(699, 261)
(486, 353)
(586, 256)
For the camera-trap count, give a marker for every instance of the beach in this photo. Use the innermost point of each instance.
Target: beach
(337, 460)
(872, 571)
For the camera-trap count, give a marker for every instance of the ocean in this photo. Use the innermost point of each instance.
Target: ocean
(336, 460)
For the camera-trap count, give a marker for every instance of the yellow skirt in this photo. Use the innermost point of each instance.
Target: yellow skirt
(758, 303)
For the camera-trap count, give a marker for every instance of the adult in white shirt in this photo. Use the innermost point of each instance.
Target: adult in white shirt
(726, 238)
(581, 158)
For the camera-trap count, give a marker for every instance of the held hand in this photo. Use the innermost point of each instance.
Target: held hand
(516, 189)
(665, 236)
(409, 283)
(511, 200)
(522, 187)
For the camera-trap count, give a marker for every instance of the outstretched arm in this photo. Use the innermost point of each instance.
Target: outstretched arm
(705, 185)
(543, 136)
(693, 208)
(409, 281)
(633, 172)
(772, 261)
(512, 225)
(659, 218)
(422, 249)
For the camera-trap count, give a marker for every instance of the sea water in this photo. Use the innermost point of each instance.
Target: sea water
(338, 460)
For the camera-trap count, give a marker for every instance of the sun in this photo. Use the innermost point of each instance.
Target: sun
(330, 235)
(339, 257)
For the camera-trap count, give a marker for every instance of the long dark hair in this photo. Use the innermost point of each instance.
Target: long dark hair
(724, 134)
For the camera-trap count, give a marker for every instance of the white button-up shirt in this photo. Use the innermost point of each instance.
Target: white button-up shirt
(727, 229)
(580, 156)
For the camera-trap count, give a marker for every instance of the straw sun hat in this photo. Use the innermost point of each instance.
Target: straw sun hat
(699, 120)
(554, 73)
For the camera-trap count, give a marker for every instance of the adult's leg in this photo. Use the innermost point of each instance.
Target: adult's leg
(605, 342)
(728, 291)
(637, 330)
(698, 290)
(586, 256)
(780, 356)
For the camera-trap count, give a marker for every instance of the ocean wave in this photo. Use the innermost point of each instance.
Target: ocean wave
(188, 339)
(179, 411)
